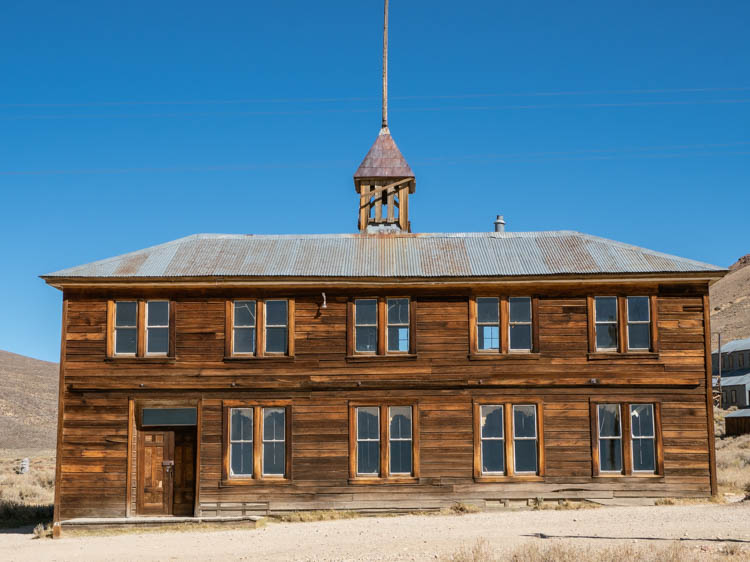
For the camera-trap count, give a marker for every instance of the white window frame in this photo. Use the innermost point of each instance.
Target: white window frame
(125, 327)
(406, 325)
(263, 442)
(629, 322)
(410, 439)
(497, 324)
(633, 438)
(266, 325)
(231, 441)
(617, 438)
(370, 440)
(530, 324)
(149, 326)
(616, 321)
(535, 438)
(501, 439)
(356, 325)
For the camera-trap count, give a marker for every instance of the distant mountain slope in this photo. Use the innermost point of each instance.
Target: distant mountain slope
(730, 304)
(28, 402)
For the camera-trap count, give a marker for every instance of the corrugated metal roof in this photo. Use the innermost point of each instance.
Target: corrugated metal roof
(736, 345)
(744, 413)
(738, 379)
(482, 254)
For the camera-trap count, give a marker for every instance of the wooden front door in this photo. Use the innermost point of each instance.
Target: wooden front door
(155, 472)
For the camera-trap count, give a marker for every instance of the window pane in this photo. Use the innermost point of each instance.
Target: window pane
(398, 311)
(400, 422)
(398, 338)
(125, 313)
(643, 455)
(493, 455)
(276, 340)
(368, 457)
(488, 310)
(492, 421)
(366, 338)
(610, 455)
(244, 340)
(524, 421)
(242, 424)
(520, 336)
(368, 426)
(244, 313)
(642, 420)
(125, 340)
(276, 313)
(273, 423)
(606, 309)
(639, 336)
(609, 420)
(520, 309)
(242, 459)
(365, 311)
(157, 340)
(638, 309)
(525, 452)
(488, 337)
(169, 416)
(400, 457)
(157, 313)
(606, 336)
(273, 458)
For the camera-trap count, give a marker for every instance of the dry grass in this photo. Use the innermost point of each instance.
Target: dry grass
(481, 551)
(732, 458)
(202, 527)
(565, 505)
(26, 499)
(317, 515)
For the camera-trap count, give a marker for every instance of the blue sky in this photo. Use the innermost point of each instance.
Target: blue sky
(127, 124)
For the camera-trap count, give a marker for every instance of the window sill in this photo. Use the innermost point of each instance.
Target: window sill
(516, 478)
(503, 356)
(227, 483)
(392, 480)
(251, 358)
(146, 359)
(392, 357)
(629, 356)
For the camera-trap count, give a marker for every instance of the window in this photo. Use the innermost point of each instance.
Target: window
(381, 326)
(256, 437)
(140, 328)
(734, 397)
(740, 361)
(622, 324)
(626, 439)
(488, 324)
(398, 324)
(384, 442)
(507, 440)
(501, 325)
(725, 361)
(605, 318)
(259, 328)
(520, 324)
(724, 398)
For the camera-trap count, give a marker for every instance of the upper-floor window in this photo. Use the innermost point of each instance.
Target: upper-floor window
(622, 324)
(380, 326)
(503, 324)
(140, 328)
(740, 361)
(259, 328)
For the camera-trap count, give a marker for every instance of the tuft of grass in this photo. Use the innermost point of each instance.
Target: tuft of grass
(460, 508)
(316, 515)
(42, 531)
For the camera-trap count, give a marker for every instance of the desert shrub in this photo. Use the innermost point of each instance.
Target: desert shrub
(16, 514)
(42, 531)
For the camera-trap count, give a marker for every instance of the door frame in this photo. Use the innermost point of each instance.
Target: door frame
(135, 407)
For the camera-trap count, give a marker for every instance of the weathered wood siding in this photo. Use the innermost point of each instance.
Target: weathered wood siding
(320, 380)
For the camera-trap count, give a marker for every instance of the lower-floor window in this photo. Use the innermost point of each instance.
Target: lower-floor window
(627, 438)
(383, 441)
(256, 441)
(508, 439)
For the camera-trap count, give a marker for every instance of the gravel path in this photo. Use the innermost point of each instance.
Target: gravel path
(407, 537)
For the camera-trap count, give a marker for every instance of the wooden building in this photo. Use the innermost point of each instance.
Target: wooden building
(381, 370)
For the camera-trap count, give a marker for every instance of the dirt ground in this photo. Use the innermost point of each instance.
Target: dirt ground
(704, 529)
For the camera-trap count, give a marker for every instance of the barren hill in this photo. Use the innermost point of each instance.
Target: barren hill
(28, 402)
(730, 304)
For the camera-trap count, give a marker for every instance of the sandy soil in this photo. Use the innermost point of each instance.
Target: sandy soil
(707, 526)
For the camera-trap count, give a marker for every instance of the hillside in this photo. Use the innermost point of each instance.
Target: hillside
(28, 402)
(730, 304)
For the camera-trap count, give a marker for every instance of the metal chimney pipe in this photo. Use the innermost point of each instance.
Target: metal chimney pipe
(499, 224)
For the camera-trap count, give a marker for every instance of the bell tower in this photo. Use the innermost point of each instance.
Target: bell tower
(384, 180)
